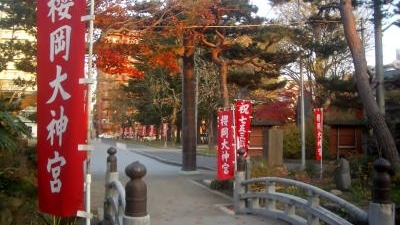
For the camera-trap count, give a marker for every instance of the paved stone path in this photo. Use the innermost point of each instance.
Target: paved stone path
(174, 197)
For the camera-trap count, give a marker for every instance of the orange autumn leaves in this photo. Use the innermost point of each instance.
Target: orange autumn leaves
(113, 62)
(166, 60)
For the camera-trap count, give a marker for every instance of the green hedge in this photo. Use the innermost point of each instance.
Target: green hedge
(292, 141)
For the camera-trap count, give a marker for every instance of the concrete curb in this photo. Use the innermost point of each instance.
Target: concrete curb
(174, 163)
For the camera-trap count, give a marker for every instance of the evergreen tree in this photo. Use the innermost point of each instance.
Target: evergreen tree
(11, 130)
(245, 49)
(18, 17)
(387, 146)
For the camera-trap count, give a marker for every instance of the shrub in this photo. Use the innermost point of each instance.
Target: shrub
(361, 169)
(18, 187)
(11, 130)
(259, 168)
(221, 185)
(396, 189)
(292, 141)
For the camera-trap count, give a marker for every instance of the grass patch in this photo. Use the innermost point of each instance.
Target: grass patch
(203, 150)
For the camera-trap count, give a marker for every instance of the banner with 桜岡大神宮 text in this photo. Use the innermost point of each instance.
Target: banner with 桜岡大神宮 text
(62, 108)
(318, 125)
(226, 148)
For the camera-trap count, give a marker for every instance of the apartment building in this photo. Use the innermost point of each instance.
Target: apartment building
(108, 119)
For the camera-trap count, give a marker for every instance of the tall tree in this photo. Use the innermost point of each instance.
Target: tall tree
(209, 97)
(381, 131)
(386, 142)
(189, 90)
(236, 37)
(157, 97)
(321, 42)
(182, 22)
(171, 20)
(397, 12)
(174, 21)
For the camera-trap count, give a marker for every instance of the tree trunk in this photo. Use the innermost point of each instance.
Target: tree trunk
(223, 75)
(387, 145)
(189, 129)
(223, 70)
(174, 119)
(210, 130)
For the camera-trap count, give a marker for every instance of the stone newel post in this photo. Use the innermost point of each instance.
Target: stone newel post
(381, 209)
(239, 177)
(111, 175)
(136, 196)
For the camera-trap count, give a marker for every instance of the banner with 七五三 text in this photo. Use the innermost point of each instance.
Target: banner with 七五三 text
(243, 111)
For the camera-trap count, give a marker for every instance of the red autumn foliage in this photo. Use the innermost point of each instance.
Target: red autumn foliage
(163, 22)
(282, 109)
(112, 62)
(109, 14)
(276, 111)
(166, 60)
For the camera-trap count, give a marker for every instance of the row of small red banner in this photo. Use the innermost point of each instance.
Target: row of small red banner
(233, 134)
(143, 131)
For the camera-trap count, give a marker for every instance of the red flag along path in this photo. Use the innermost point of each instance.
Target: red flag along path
(243, 111)
(226, 148)
(62, 112)
(144, 131)
(164, 130)
(233, 134)
(151, 132)
(318, 125)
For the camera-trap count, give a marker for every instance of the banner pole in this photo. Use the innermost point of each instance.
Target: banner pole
(322, 138)
(321, 169)
(89, 125)
(234, 136)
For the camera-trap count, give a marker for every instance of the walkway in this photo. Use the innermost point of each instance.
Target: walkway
(174, 197)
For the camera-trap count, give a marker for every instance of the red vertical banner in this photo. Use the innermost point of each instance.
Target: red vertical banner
(243, 110)
(151, 132)
(62, 108)
(144, 131)
(318, 125)
(226, 149)
(164, 130)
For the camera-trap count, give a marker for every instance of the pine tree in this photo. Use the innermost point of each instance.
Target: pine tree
(18, 17)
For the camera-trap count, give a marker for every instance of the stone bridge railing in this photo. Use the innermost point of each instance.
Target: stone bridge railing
(125, 206)
(315, 205)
